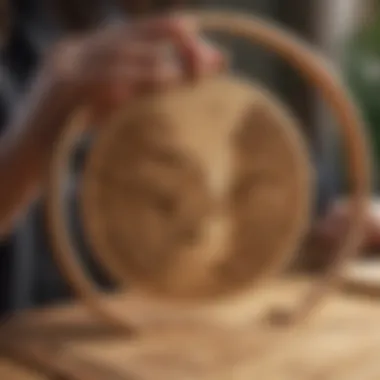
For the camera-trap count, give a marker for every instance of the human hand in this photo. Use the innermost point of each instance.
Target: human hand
(115, 64)
(334, 227)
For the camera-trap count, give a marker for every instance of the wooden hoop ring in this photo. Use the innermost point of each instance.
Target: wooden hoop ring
(313, 68)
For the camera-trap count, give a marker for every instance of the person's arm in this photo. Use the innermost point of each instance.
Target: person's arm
(26, 145)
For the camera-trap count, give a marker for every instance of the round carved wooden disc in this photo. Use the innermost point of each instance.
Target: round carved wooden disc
(198, 192)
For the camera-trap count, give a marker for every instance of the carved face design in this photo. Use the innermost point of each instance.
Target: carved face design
(197, 192)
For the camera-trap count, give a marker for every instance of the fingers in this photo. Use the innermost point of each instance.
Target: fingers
(182, 33)
(140, 79)
(145, 56)
(141, 71)
(198, 58)
(118, 84)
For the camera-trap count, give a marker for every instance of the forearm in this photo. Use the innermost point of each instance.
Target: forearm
(26, 147)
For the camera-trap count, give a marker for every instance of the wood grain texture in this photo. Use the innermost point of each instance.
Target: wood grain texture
(340, 342)
(197, 192)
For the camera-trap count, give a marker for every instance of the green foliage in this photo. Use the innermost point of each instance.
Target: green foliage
(363, 77)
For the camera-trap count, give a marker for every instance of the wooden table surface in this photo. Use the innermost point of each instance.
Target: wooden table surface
(340, 342)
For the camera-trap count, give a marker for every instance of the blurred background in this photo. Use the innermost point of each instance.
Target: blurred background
(346, 31)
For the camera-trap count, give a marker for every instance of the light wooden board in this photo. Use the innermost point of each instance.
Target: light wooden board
(363, 277)
(341, 341)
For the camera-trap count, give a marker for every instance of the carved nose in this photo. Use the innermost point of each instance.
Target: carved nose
(215, 239)
(219, 175)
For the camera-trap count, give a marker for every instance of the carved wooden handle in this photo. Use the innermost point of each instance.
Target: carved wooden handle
(315, 70)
